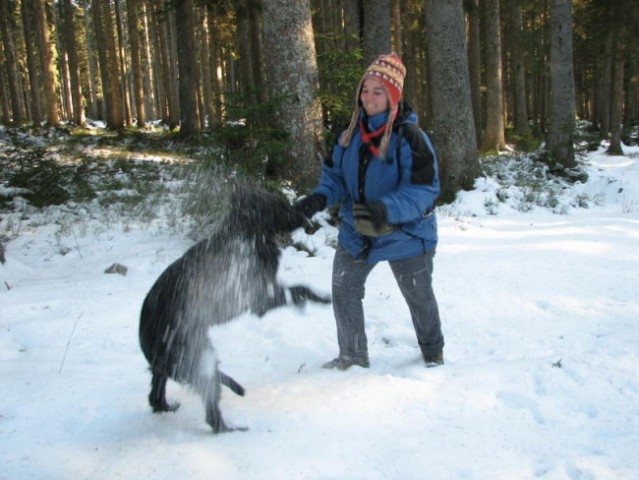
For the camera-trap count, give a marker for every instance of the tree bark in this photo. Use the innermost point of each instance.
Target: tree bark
(520, 116)
(18, 107)
(187, 73)
(616, 97)
(559, 138)
(48, 68)
(292, 75)
(474, 64)
(68, 34)
(494, 136)
(453, 124)
(109, 68)
(133, 24)
(377, 29)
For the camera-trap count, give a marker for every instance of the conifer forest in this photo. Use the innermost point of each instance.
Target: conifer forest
(276, 78)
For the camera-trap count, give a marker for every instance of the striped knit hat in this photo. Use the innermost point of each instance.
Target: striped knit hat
(389, 70)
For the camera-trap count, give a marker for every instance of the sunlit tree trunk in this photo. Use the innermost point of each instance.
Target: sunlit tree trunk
(292, 75)
(48, 70)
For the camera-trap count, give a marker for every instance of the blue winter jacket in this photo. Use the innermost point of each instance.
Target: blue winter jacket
(408, 186)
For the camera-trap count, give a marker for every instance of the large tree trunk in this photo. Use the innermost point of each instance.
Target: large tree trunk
(292, 75)
(562, 85)
(15, 91)
(453, 124)
(377, 29)
(33, 62)
(187, 73)
(47, 62)
(494, 136)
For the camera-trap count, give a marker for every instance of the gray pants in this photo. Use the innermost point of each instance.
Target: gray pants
(414, 278)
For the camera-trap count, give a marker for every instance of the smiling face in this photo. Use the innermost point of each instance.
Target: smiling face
(373, 97)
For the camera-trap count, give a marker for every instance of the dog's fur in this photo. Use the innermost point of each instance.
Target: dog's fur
(217, 279)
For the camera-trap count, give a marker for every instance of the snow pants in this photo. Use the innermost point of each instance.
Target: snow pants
(414, 278)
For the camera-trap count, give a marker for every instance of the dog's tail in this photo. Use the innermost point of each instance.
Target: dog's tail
(231, 383)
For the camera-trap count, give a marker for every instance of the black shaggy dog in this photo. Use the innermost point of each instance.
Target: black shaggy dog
(217, 279)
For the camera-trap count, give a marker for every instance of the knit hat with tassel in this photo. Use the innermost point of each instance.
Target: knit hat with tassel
(389, 70)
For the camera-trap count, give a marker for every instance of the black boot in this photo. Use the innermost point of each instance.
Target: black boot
(434, 360)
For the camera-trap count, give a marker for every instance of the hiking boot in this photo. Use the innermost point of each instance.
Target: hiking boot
(344, 363)
(434, 360)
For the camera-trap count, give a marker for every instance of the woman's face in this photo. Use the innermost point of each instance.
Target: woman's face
(373, 97)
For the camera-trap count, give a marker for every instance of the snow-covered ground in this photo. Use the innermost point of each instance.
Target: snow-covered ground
(540, 312)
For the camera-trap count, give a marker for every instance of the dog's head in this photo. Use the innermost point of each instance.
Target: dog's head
(254, 211)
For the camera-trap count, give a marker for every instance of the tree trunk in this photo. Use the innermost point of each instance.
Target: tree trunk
(187, 73)
(216, 83)
(247, 79)
(109, 68)
(136, 61)
(474, 64)
(453, 124)
(616, 97)
(377, 29)
(562, 85)
(47, 62)
(353, 24)
(33, 62)
(68, 34)
(18, 107)
(494, 136)
(122, 66)
(291, 68)
(520, 116)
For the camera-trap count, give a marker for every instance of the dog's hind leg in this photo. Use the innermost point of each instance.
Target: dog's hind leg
(208, 384)
(157, 397)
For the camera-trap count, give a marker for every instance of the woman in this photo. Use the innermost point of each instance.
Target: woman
(383, 172)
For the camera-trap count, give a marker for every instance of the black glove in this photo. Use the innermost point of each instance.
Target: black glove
(311, 204)
(371, 219)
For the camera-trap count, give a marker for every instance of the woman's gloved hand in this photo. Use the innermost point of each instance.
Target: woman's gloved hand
(371, 219)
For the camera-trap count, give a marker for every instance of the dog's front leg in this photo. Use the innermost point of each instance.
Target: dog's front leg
(301, 294)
